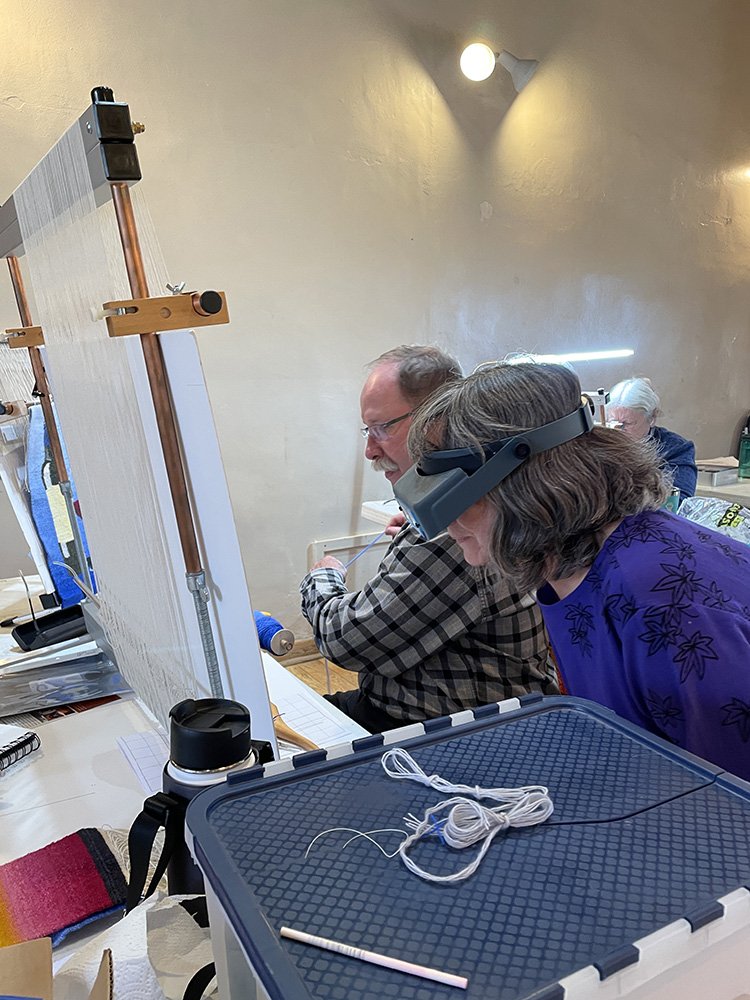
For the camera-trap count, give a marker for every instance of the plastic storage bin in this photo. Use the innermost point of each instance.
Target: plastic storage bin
(635, 887)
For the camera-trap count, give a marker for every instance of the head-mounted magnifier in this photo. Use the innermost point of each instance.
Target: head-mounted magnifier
(444, 484)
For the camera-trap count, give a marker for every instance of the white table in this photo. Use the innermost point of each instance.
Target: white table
(82, 778)
(379, 511)
(733, 492)
(79, 778)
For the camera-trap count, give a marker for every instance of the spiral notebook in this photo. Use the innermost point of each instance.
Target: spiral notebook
(15, 743)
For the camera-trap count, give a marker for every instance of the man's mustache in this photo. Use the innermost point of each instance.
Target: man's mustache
(384, 465)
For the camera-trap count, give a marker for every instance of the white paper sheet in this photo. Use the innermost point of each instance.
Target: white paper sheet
(147, 753)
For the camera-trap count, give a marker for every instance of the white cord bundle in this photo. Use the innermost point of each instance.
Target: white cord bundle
(467, 822)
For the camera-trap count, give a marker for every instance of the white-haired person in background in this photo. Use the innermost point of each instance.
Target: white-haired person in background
(633, 408)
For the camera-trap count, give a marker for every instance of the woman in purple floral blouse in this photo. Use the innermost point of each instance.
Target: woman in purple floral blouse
(648, 613)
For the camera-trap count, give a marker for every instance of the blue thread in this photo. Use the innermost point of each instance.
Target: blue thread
(267, 628)
(436, 830)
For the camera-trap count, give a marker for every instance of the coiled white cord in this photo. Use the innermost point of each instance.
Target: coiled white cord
(468, 822)
(397, 763)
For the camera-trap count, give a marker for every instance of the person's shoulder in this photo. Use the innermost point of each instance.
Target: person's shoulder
(442, 545)
(730, 551)
(664, 552)
(408, 542)
(671, 441)
(640, 541)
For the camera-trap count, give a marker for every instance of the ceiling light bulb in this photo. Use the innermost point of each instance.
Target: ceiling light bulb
(477, 61)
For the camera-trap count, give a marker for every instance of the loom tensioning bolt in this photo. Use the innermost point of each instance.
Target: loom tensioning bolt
(207, 303)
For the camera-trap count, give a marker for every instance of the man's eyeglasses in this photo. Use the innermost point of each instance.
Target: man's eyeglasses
(379, 432)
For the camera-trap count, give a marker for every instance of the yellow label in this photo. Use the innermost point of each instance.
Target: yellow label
(731, 517)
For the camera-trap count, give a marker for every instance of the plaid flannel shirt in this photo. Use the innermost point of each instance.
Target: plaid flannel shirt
(429, 634)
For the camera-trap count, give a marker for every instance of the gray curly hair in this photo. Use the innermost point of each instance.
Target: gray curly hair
(551, 511)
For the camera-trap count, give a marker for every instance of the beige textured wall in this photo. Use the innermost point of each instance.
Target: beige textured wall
(323, 162)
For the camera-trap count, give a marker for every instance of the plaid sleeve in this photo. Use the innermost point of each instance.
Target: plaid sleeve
(420, 599)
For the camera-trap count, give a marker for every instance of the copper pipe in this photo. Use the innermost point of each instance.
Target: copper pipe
(157, 377)
(40, 375)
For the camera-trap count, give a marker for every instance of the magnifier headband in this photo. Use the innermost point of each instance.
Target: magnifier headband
(446, 483)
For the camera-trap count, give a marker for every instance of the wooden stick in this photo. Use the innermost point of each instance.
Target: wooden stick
(289, 735)
(375, 959)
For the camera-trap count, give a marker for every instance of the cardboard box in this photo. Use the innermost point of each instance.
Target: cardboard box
(26, 971)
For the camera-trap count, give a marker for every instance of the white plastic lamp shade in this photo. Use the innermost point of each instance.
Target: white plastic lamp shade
(521, 70)
(477, 61)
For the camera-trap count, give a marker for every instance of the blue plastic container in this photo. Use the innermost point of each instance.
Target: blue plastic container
(636, 886)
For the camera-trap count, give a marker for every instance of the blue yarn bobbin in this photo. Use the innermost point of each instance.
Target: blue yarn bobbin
(272, 635)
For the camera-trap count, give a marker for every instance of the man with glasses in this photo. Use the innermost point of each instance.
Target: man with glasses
(429, 634)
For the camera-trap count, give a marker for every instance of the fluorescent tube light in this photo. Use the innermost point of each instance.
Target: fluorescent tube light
(563, 358)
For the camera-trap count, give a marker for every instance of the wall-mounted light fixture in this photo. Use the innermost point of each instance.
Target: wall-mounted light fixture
(478, 62)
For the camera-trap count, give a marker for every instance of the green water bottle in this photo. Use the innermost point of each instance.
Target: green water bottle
(673, 501)
(744, 469)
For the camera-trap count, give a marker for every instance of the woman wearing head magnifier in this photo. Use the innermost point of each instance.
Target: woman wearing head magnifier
(648, 613)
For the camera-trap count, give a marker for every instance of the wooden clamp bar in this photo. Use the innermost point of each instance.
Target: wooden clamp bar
(37, 367)
(25, 336)
(167, 312)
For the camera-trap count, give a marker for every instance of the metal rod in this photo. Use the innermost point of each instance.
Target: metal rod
(37, 366)
(42, 386)
(157, 377)
(196, 583)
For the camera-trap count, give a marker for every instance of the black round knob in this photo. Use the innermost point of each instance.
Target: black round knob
(210, 303)
(522, 450)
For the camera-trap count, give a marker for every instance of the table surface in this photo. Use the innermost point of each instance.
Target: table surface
(81, 777)
(733, 492)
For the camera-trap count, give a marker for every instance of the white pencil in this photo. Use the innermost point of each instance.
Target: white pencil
(371, 956)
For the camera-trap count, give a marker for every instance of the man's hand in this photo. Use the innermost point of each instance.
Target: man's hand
(395, 524)
(330, 562)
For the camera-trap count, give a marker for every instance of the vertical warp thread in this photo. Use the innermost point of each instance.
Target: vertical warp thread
(74, 260)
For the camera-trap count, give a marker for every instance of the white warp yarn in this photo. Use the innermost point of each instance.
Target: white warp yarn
(75, 264)
(16, 375)
(468, 822)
